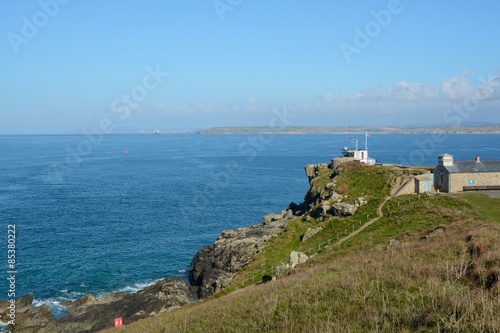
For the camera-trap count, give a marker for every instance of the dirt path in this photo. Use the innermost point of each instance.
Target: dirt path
(367, 224)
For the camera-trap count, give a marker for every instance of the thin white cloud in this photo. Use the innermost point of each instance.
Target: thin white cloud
(410, 98)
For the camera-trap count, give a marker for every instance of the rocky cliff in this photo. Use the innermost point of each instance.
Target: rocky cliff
(213, 267)
(25, 316)
(90, 315)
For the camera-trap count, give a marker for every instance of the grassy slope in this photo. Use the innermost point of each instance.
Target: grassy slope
(362, 180)
(489, 206)
(426, 285)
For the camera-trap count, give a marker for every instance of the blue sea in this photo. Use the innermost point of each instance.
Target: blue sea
(116, 213)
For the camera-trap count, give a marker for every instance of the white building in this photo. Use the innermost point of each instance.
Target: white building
(353, 154)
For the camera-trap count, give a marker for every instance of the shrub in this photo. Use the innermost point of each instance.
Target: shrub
(342, 189)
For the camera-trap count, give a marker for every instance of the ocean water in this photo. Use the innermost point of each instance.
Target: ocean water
(116, 213)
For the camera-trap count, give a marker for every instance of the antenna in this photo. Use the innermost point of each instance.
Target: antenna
(349, 123)
(347, 132)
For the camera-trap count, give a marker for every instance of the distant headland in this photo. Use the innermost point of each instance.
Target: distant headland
(466, 129)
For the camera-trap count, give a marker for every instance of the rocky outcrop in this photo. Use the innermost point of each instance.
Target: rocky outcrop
(343, 209)
(313, 170)
(310, 232)
(284, 215)
(213, 267)
(90, 315)
(361, 201)
(297, 258)
(74, 306)
(318, 192)
(280, 269)
(393, 243)
(24, 315)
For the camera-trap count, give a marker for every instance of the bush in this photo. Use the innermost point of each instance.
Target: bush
(342, 189)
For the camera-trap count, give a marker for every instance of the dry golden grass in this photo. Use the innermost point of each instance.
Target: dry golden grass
(342, 188)
(445, 283)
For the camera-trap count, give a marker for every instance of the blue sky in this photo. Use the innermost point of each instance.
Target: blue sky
(66, 65)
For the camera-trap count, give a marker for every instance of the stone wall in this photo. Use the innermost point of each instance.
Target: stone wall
(338, 161)
(459, 180)
(408, 188)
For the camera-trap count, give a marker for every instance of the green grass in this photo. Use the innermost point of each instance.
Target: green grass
(408, 222)
(365, 181)
(277, 251)
(490, 207)
(323, 178)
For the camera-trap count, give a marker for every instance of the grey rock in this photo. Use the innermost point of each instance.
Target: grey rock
(83, 301)
(331, 185)
(214, 266)
(393, 243)
(324, 209)
(282, 216)
(310, 171)
(28, 318)
(139, 315)
(279, 270)
(343, 209)
(80, 304)
(310, 232)
(288, 214)
(335, 197)
(297, 258)
(156, 298)
(266, 219)
(361, 201)
(437, 231)
(313, 170)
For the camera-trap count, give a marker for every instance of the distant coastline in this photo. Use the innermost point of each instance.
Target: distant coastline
(290, 130)
(490, 129)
